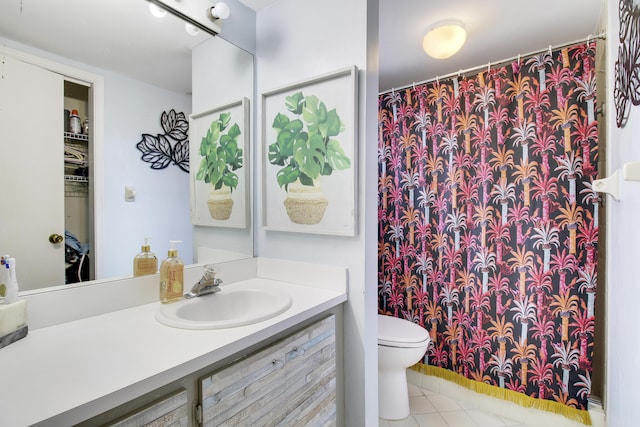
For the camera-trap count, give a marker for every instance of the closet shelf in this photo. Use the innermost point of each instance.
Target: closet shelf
(75, 178)
(76, 136)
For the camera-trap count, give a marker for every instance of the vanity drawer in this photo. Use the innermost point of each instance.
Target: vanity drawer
(291, 382)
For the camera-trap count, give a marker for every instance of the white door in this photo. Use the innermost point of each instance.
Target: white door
(31, 155)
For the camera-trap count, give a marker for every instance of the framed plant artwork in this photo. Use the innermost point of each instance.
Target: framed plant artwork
(309, 155)
(219, 171)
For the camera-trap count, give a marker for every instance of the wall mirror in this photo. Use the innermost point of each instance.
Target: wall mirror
(144, 68)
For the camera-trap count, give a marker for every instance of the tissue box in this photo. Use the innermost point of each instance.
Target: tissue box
(13, 322)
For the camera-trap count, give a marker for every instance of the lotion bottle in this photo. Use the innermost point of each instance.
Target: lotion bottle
(146, 262)
(171, 276)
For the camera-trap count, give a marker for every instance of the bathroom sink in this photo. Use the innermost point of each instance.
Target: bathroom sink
(225, 309)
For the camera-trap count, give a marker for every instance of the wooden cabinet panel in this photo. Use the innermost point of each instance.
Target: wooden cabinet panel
(171, 411)
(289, 383)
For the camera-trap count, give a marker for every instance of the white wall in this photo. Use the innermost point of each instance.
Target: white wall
(623, 231)
(240, 27)
(296, 40)
(161, 209)
(222, 74)
(161, 206)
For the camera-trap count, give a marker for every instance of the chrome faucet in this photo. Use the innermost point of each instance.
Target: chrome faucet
(208, 284)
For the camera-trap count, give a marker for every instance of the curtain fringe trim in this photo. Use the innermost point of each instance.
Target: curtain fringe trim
(574, 414)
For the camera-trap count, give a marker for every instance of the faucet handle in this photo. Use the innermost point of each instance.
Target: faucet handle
(210, 272)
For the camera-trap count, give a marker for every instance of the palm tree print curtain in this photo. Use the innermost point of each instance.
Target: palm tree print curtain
(488, 226)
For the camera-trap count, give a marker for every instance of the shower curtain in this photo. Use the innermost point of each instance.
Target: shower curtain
(488, 224)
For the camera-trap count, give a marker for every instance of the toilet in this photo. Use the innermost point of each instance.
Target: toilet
(401, 344)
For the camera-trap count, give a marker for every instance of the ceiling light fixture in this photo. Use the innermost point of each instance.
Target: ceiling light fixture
(191, 29)
(157, 11)
(219, 11)
(444, 39)
(208, 20)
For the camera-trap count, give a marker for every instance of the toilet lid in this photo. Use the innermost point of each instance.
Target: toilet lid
(396, 332)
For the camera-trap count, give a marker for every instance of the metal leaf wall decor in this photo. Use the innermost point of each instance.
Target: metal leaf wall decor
(627, 69)
(171, 147)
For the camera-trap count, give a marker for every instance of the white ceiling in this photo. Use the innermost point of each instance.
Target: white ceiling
(116, 35)
(257, 4)
(121, 35)
(496, 30)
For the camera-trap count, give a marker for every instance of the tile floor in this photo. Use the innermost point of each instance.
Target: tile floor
(430, 409)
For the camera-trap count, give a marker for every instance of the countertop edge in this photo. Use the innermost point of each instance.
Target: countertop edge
(174, 373)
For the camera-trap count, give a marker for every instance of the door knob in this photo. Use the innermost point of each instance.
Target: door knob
(55, 238)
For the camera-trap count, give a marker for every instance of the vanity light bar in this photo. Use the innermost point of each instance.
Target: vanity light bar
(191, 13)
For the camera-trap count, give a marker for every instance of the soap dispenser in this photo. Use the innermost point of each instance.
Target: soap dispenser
(4, 274)
(146, 262)
(171, 276)
(11, 292)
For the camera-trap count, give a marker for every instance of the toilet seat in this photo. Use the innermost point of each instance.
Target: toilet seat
(401, 333)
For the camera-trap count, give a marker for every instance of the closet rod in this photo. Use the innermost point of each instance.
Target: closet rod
(498, 63)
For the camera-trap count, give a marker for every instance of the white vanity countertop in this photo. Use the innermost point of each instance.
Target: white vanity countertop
(63, 374)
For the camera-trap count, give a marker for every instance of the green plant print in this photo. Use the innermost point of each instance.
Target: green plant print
(220, 153)
(306, 146)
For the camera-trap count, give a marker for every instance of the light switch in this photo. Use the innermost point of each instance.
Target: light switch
(129, 193)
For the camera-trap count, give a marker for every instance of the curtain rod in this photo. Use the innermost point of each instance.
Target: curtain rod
(498, 63)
